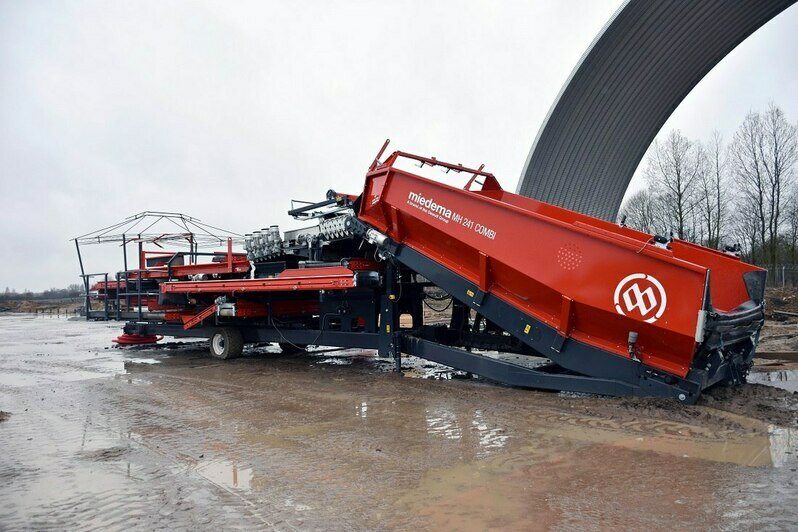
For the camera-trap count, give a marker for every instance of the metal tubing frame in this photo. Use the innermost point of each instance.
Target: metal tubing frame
(85, 279)
(138, 277)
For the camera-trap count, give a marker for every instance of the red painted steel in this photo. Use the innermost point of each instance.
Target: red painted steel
(154, 264)
(233, 264)
(330, 278)
(191, 321)
(360, 265)
(592, 280)
(137, 339)
(102, 286)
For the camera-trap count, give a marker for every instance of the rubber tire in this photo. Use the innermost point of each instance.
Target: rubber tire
(289, 349)
(226, 343)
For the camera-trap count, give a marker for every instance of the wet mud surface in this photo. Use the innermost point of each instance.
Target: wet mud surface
(166, 437)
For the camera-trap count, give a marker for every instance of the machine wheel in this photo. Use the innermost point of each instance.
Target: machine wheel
(226, 342)
(289, 349)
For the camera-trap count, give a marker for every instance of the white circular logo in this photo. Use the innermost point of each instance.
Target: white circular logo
(640, 295)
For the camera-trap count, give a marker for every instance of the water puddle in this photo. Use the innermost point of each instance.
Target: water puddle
(337, 361)
(786, 379)
(227, 474)
(490, 438)
(751, 443)
(586, 471)
(15, 380)
(767, 446)
(52, 375)
(783, 446)
(444, 423)
(79, 375)
(142, 361)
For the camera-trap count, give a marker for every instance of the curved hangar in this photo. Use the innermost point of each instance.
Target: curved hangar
(643, 63)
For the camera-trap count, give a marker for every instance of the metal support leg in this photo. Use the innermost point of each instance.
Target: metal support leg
(397, 356)
(85, 280)
(142, 266)
(105, 307)
(389, 319)
(118, 288)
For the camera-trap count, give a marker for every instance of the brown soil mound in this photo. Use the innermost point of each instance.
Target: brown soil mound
(719, 408)
(781, 299)
(64, 306)
(766, 403)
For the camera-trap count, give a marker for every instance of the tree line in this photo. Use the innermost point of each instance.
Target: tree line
(71, 291)
(740, 195)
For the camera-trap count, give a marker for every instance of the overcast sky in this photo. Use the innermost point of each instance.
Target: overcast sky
(227, 110)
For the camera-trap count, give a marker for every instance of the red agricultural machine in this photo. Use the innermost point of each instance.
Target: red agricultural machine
(602, 308)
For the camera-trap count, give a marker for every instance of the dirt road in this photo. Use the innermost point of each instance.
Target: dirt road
(108, 438)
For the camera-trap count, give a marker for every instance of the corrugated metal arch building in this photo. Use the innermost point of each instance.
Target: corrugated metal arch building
(643, 63)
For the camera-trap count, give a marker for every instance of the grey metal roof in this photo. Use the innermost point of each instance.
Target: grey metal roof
(643, 63)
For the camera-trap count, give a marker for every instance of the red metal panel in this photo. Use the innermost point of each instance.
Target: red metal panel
(111, 285)
(726, 273)
(590, 279)
(297, 307)
(333, 278)
(234, 264)
(250, 309)
(191, 321)
(358, 265)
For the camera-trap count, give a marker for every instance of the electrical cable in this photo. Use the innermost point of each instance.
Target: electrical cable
(439, 310)
(286, 340)
(436, 298)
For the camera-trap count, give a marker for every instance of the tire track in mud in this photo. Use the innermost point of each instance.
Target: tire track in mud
(176, 410)
(282, 453)
(298, 437)
(86, 473)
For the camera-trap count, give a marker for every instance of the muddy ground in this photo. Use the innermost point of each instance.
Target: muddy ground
(166, 437)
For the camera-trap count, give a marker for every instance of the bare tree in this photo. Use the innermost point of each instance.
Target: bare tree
(763, 154)
(750, 177)
(746, 194)
(711, 193)
(792, 226)
(640, 211)
(672, 173)
(749, 231)
(779, 153)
